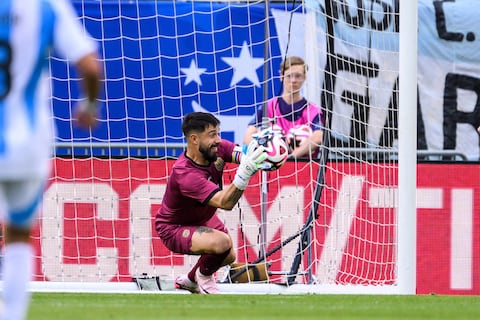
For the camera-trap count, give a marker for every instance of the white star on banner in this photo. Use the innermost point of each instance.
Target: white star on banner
(244, 67)
(193, 73)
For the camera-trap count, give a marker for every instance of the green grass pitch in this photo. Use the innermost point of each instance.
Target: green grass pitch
(74, 306)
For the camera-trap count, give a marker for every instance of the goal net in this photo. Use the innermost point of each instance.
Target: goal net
(319, 224)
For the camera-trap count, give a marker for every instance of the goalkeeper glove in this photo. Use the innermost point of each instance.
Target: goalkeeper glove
(250, 163)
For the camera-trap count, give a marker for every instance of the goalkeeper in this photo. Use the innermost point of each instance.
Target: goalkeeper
(187, 222)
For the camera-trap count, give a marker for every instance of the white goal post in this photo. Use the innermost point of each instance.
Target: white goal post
(407, 164)
(344, 222)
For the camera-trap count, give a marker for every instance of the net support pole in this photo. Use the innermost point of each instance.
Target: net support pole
(262, 233)
(407, 147)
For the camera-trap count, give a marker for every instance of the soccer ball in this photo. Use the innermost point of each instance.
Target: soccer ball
(298, 135)
(275, 146)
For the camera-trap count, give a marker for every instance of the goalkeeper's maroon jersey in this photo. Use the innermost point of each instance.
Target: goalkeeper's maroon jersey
(191, 186)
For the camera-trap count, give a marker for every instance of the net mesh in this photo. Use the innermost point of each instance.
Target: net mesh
(322, 220)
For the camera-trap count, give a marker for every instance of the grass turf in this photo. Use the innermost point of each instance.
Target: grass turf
(74, 306)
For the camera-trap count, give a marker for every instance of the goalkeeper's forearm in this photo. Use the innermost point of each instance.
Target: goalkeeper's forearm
(241, 179)
(226, 198)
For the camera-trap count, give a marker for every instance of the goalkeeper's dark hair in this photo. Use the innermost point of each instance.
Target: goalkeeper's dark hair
(198, 122)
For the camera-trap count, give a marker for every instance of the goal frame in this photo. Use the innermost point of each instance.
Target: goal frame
(406, 214)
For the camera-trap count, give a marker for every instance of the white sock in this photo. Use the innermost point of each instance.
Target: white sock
(17, 272)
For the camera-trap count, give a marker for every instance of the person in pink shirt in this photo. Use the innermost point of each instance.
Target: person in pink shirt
(299, 120)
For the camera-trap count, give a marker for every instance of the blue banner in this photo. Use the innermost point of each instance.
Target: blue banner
(164, 59)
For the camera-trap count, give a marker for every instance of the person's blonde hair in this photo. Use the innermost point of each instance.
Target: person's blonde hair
(287, 63)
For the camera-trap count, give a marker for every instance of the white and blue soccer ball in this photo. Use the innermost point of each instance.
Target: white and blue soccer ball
(275, 146)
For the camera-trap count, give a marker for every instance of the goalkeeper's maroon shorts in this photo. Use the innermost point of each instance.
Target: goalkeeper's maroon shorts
(178, 238)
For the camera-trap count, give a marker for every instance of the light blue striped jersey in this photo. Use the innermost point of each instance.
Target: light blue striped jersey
(28, 31)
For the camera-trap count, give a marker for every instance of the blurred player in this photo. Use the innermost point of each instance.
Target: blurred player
(187, 222)
(297, 119)
(28, 30)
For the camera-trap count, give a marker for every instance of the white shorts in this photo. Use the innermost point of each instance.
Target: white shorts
(19, 201)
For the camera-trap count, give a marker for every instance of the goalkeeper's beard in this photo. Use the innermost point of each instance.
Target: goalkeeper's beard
(207, 152)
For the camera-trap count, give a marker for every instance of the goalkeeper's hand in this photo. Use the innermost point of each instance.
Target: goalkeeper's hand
(252, 160)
